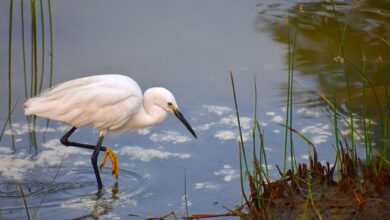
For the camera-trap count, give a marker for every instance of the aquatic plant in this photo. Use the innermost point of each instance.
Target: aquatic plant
(297, 192)
(33, 82)
(32, 88)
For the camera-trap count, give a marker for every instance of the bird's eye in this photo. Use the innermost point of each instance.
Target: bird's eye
(169, 103)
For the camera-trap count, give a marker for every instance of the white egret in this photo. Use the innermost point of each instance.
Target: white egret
(110, 103)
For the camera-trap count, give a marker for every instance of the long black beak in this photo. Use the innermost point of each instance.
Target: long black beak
(185, 122)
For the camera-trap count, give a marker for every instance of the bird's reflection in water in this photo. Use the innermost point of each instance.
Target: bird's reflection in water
(114, 191)
(103, 203)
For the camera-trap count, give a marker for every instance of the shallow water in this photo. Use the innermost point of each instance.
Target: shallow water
(187, 47)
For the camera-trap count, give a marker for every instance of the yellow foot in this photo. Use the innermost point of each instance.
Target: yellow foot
(114, 161)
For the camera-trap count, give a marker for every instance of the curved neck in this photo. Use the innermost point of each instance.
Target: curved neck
(153, 114)
(148, 114)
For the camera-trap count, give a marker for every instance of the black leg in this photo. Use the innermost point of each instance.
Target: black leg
(94, 159)
(64, 140)
(97, 148)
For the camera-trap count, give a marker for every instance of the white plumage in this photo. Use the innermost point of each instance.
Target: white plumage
(110, 103)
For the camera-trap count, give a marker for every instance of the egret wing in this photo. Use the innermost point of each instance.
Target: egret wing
(105, 101)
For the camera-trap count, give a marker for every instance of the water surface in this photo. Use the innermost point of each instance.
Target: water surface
(187, 47)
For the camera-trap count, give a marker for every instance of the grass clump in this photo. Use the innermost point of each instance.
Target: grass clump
(347, 188)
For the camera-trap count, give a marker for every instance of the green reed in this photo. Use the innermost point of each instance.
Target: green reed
(262, 154)
(336, 126)
(23, 49)
(341, 38)
(351, 123)
(259, 174)
(185, 193)
(254, 159)
(308, 180)
(11, 11)
(288, 134)
(51, 43)
(26, 93)
(383, 118)
(288, 104)
(34, 50)
(43, 46)
(238, 121)
(367, 126)
(257, 132)
(241, 148)
(257, 163)
(37, 62)
(51, 57)
(30, 80)
(34, 72)
(33, 81)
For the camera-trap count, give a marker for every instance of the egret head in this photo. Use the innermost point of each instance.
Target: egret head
(165, 99)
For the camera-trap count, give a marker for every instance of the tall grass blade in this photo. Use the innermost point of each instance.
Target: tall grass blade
(366, 117)
(238, 122)
(51, 57)
(383, 141)
(34, 71)
(242, 154)
(263, 155)
(366, 127)
(240, 147)
(24, 49)
(51, 43)
(288, 135)
(11, 11)
(341, 36)
(254, 123)
(287, 101)
(43, 45)
(257, 164)
(34, 50)
(336, 127)
(351, 123)
(306, 139)
(185, 194)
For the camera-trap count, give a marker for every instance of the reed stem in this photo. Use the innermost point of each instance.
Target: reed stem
(24, 49)
(11, 11)
(43, 45)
